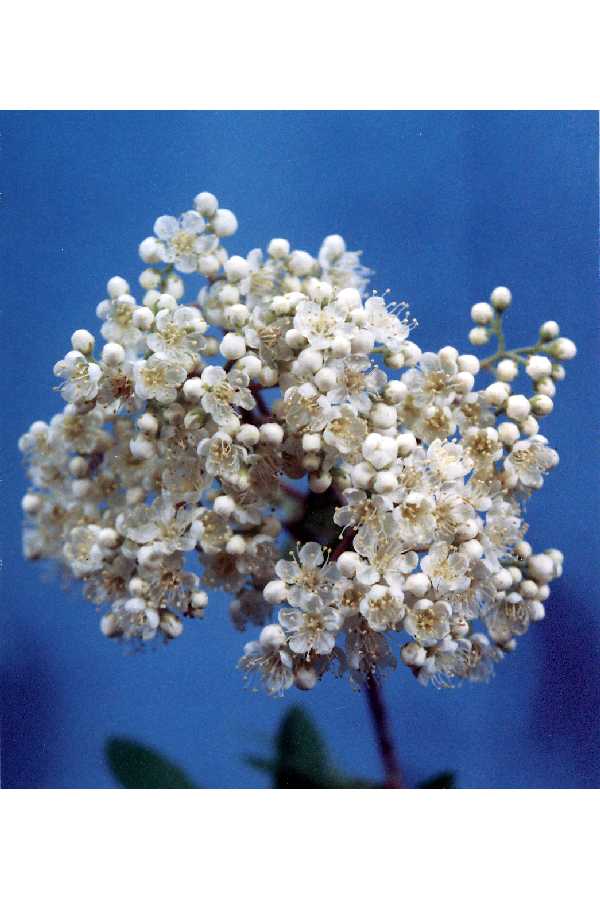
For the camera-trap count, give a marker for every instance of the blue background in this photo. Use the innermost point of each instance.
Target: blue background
(445, 207)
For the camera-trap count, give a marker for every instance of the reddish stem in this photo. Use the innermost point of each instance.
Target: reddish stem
(387, 751)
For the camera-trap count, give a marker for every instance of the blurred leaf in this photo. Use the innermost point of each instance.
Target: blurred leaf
(443, 780)
(302, 759)
(136, 766)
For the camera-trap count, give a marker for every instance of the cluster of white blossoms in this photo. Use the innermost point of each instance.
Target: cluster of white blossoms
(180, 439)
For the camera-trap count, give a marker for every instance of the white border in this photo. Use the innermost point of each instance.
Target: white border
(308, 54)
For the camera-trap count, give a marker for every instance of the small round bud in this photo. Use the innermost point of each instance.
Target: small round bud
(325, 379)
(523, 550)
(536, 610)
(468, 363)
(340, 346)
(541, 405)
(563, 349)
(529, 426)
(271, 433)
(507, 370)
(417, 584)
(472, 548)
(464, 382)
(320, 483)
(406, 443)
(206, 204)
(275, 592)
(482, 313)
(385, 483)
(272, 637)
(148, 424)
(142, 318)
(347, 563)
(193, 390)
(150, 251)
(199, 600)
(83, 341)
(466, 531)
(142, 448)
(508, 433)
(503, 580)
(208, 265)
(546, 386)
(395, 392)
(109, 625)
(224, 505)
(311, 443)
(541, 567)
(236, 268)
(529, 589)
(251, 365)
(116, 287)
(170, 625)
(518, 407)
(113, 354)
(413, 654)
(538, 367)
(108, 537)
(248, 435)
(478, 336)
(306, 678)
(224, 223)
(233, 346)
(301, 263)
(334, 246)
(278, 248)
(362, 342)
(497, 393)
(501, 298)
(549, 331)
(31, 504)
(383, 416)
(236, 545)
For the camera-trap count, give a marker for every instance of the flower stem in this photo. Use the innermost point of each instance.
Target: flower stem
(393, 774)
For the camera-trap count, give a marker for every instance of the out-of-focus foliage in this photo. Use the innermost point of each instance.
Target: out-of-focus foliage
(136, 766)
(301, 760)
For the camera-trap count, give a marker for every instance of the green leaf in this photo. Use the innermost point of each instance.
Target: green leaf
(443, 780)
(301, 758)
(136, 766)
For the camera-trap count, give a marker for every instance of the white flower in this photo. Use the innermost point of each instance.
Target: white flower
(388, 557)
(357, 382)
(308, 576)
(382, 607)
(81, 377)
(178, 335)
(221, 390)
(428, 622)
(345, 431)
(380, 451)
(157, 378)
(181, 243)
(322, 325)
(386, 328)
(529, 461)
(118, 327)
(82, 551)
(446, 569)
(312, 626)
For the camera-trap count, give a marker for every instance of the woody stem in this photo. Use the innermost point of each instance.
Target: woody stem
(387, 751)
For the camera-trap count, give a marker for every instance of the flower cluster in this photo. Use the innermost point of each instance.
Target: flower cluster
(180, 439)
